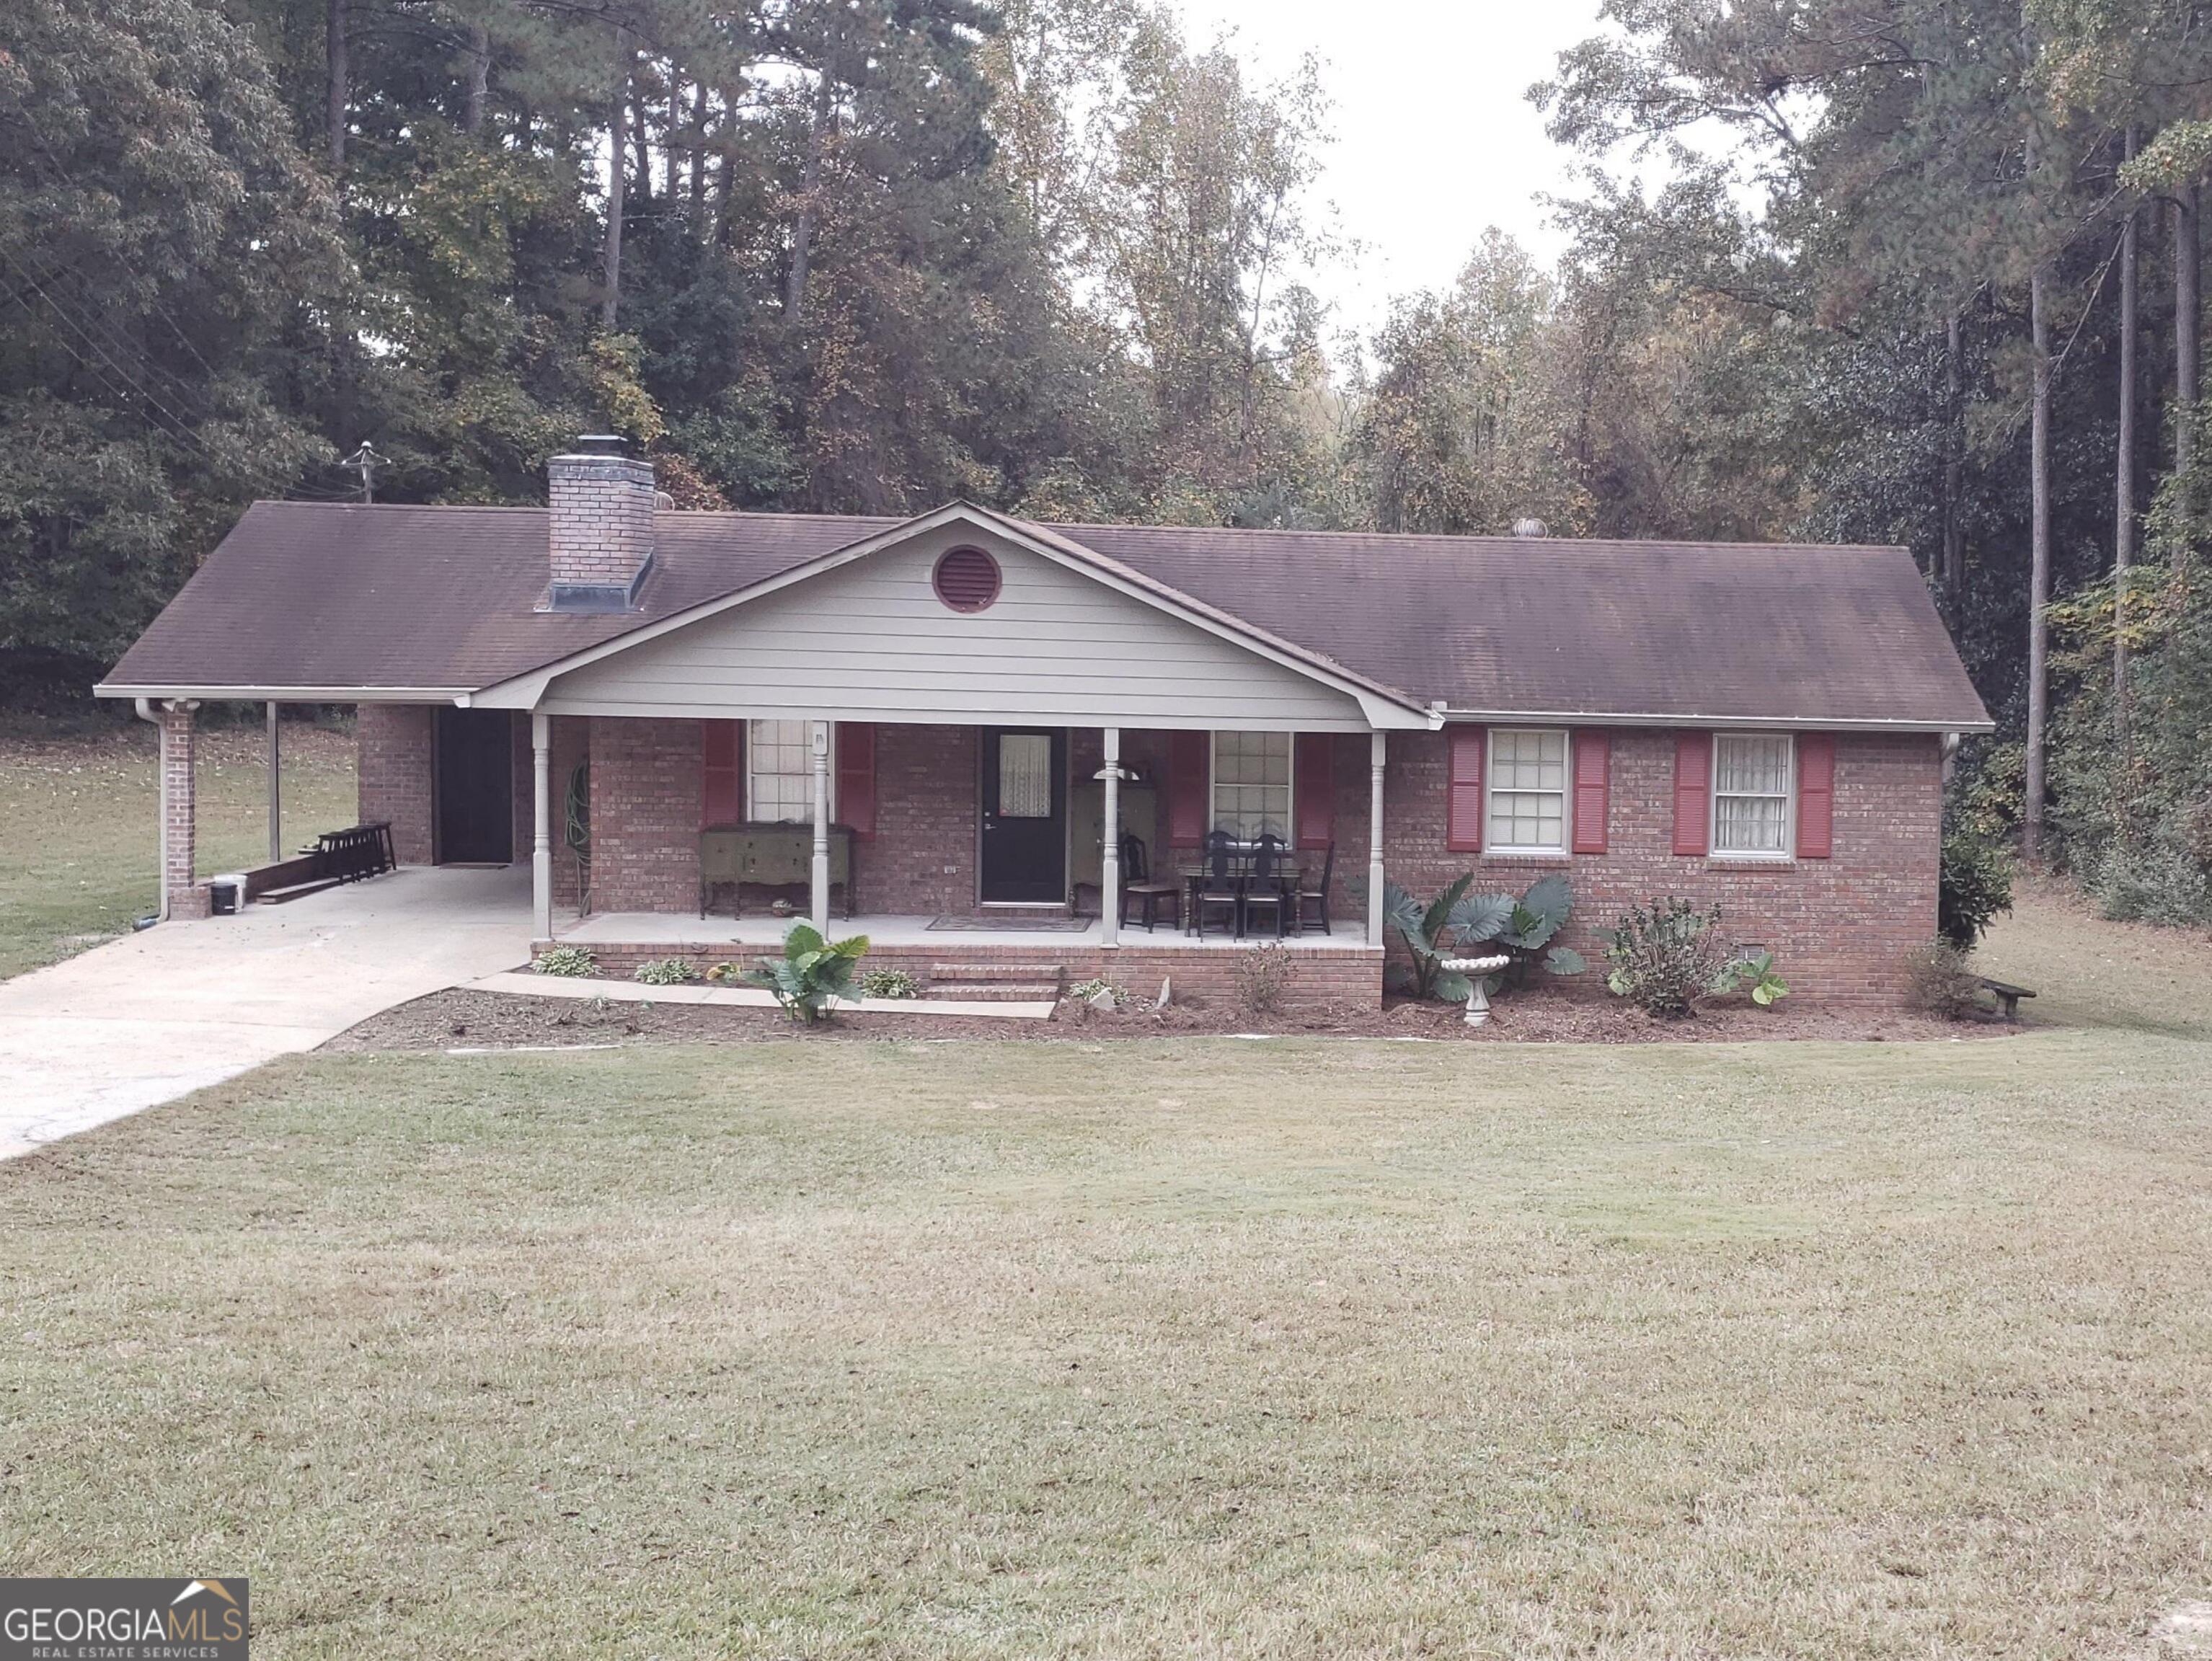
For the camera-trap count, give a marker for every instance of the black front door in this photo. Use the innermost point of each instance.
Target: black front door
(476, 787)
(1024, 817)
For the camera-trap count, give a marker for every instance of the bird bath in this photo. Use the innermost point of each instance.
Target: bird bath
(1477, 970)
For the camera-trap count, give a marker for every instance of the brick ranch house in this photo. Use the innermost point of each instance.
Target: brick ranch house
(944, 726)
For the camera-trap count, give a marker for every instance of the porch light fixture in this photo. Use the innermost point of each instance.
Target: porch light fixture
(966, 578)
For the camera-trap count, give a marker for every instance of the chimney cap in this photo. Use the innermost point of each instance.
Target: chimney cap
(1531, 528)
(600, 444)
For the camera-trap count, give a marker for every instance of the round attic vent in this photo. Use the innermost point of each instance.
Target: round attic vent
(967, 580)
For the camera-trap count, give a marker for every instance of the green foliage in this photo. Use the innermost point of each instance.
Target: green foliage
(890, 982)
(2155, 881)
(1458, 920)
(667, 971)
(1665, 956)
(1941, 984)
(1975, 889)
(810, 972)
(1755, 974)
(574, 961)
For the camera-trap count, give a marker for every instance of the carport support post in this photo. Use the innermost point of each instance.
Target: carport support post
(1109, 857)
(819, 742)
(276, 791)
(541, 840)
(1374, 756)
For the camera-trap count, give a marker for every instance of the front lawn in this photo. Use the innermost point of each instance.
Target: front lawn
(1307, 1347)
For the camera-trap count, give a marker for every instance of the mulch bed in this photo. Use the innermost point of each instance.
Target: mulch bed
(468, 1019)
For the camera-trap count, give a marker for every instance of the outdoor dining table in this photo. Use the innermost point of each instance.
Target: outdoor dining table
(1287, 879)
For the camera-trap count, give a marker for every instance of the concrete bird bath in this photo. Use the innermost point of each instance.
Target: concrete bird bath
(1477, 970)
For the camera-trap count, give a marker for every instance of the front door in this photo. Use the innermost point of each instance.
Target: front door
(476, 787)
(1024, 817)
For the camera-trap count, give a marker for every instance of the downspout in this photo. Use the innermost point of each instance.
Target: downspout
(145, 708)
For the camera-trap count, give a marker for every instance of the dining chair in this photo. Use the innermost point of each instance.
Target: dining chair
(1220, 884)
(1271, 882)
(1313, 901)
(1140, 887)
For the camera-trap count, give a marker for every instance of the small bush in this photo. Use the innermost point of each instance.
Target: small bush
(1084, 991)
(725, 974)
(1976, 887)
(1665, 956)
(2158, 882)
(567, 961)
(1942, 985)
(1757, 975)
(665, 971)
(812, 973)
(1263, 975)
(890, 982)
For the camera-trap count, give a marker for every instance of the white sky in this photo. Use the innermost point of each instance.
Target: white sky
(1435, 137)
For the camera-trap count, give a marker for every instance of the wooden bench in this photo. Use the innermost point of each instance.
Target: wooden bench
(355, 852)
(2006, 995)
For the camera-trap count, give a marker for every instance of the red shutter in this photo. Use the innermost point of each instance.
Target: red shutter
(1694, 792)
(1314, 762)
(1463, 802)
(722, 794)
(1189, 760)
(856, 776)
(1593, 758)
(1816, 794)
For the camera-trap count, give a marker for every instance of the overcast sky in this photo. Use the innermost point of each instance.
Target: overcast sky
(1435, 138)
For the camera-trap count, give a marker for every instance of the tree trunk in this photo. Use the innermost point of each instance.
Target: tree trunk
(2187, 311)
(2038, 593)
(669, 140)
(617, 115)
(1954, 575)
(725, 167)
(338, 91)
(472, 114)
(698, 137)
(2123, 480)
(802, 230)
(644, 154)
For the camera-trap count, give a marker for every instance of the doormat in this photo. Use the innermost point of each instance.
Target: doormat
(1023, 925)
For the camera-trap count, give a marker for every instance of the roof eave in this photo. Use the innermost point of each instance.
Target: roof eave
(1691, 718)
(283, 694)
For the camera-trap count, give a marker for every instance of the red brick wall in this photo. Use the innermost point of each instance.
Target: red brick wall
(922, 860)
(393, 748)
(1841, 928)
(646, 785)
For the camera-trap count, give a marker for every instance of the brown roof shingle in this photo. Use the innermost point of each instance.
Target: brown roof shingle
(313, 596)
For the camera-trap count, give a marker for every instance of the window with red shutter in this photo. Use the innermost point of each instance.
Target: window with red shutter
(1694, 792)
(1188, 763)
(855, 751)
(1314, 768)
(1593, 799)
(722, 775)
(1463, 801)
(1816, 794)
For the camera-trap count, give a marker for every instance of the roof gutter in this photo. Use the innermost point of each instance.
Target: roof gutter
(292, 694)
(1589, 718)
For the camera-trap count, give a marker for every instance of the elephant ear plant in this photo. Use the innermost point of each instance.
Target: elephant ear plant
(1528, 927)
(810, 972)
(1458, 921)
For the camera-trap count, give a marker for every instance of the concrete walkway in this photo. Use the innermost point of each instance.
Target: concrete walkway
(147, 1019)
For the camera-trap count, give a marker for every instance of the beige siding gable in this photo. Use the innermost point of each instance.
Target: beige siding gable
(871, 641)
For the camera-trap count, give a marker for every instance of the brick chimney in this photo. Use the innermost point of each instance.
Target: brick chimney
(602, 503)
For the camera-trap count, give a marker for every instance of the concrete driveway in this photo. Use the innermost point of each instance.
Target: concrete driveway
(145, 1020)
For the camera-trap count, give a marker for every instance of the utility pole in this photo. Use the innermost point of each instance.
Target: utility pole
(366, 461)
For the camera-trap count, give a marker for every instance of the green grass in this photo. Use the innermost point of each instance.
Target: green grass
(80, 833)
(1196, 1346)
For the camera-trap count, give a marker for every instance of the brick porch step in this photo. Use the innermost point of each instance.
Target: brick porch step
(974, 974)
(994, 992)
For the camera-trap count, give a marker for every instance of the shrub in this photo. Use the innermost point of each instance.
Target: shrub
(2156, 882)
(1975, 889)
(1665, 956)
(1457, 920)
(1263, 973)
(1757, 975)
(1084, 991)
(1940, 983)
(665, 971)
(810, 972)
(566, 960)
(726, 974)
(890, 982)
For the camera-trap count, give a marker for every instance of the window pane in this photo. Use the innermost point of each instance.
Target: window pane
(778, 771)
(1252, 784)
(1024, 775)
(1527, 789)
(1528, 761)
(1751, 824)
(1751, 793)
(1749, 765)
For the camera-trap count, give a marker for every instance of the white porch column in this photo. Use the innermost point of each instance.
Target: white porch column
(819, 742)
(276, 791)
(1375, 753)
(1109, 880)
(541, 840)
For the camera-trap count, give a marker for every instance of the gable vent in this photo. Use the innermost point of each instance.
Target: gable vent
(967, 580)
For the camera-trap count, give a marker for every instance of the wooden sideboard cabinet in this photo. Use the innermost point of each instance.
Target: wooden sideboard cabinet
(771, 856)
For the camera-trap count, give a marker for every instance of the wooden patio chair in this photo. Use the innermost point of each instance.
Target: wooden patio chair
(1140, 887)
(1219, 884)
(1313, 900)
(1272, 884)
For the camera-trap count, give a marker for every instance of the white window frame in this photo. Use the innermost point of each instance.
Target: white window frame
(1290, 787)
(752, 806)
(1491, 790)
(1788, 852)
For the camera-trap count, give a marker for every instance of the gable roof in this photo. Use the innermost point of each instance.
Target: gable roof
(345, 602)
